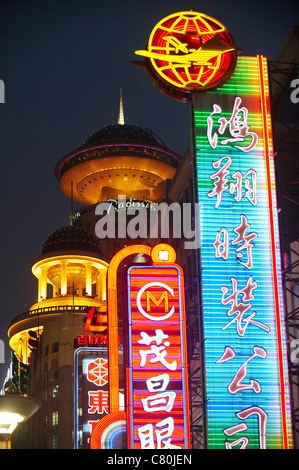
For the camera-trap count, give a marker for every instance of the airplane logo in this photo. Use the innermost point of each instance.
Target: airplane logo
(211, 49)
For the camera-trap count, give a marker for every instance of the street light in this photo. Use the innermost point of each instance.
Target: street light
(14, 409)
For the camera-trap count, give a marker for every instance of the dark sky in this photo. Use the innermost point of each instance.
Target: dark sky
(63, 63)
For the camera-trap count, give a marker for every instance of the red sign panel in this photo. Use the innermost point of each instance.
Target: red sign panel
(95, 393)
(157, 387)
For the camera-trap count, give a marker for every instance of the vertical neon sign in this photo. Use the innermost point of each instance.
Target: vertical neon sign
(157, 386)
(94, 392)
(243, 320)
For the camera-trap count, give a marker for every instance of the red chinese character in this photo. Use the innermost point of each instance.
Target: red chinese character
(82, 339)
(98, 401)
(96, 340)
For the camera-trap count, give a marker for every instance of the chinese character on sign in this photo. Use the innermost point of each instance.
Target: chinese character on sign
(159, 353)
(163, 434)
(98, 401)
(241, 427)
(159, 402)
(237, 126)
(221, 244)
(246, 240)
(236, 384)
(239, 309)
(221, 182)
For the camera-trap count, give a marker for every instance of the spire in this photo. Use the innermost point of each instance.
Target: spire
(121, 119)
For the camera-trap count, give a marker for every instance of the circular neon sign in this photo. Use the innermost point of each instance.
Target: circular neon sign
(189, 51)
(146, 314)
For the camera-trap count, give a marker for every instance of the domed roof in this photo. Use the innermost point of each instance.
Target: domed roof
(123, 133)
(72, 239)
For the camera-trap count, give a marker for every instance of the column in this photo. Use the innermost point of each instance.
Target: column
(88, 279)
(63, 286)
(43, 283)
(101, 285)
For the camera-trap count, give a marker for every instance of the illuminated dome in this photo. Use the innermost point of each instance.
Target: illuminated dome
(124, 133)
(119, 159)
(73, 239)
(71, 260)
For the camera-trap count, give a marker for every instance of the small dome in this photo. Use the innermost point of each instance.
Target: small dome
(130, 133)
(72, 238)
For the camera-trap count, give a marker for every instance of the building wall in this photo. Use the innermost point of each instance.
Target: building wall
(51, 381)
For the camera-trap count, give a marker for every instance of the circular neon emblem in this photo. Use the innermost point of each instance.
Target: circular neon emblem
(146, 314)
(97, 372)
(189, 51)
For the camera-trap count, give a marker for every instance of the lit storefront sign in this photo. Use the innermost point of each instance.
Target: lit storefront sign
(156, 364)
(91, 340)
(93, 403)
(243, 321)
(94, 392)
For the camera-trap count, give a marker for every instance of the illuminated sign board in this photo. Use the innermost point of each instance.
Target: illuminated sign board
(94, 392)
(96, 320)
(156, 368)
(189, 51)
(245, 359)
(92, 404)
(90, 340)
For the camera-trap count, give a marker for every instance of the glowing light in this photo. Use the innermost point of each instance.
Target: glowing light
(113, 319)
(189, 51)
(156, 368)
(9, 422)
(107, 430)
(242, 305)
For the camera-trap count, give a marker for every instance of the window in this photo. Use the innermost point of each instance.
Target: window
(55, 391)
(54, 418)
(55, 347)
(54, 441)
(54, 374)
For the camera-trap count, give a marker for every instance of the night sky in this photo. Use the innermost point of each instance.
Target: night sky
(63, 64)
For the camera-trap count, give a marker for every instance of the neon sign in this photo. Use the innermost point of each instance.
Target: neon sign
(95, 321)
(156, 369)
(243, 321)
(94, 391)
(91, 340)
(189, 51)
(92, 405)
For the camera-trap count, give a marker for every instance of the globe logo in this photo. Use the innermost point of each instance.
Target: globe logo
(189, 51)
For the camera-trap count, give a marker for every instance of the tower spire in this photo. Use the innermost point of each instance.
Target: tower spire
(121, 119)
